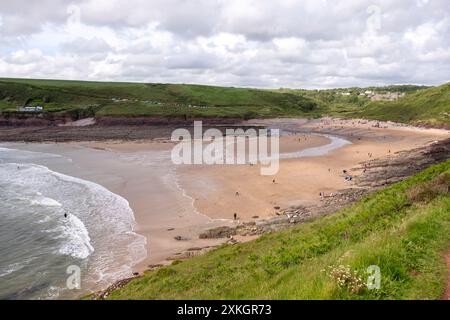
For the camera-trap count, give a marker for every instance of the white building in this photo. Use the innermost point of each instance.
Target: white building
(30, 109)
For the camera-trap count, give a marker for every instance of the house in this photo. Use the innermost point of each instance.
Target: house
(390, 96)
(30, 109)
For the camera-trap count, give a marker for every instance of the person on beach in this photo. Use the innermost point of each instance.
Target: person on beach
(237, 193)
(235, 216)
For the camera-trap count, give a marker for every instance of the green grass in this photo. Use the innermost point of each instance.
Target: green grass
(404, 229)
(430, 106)
(422, 105)
(140, 99)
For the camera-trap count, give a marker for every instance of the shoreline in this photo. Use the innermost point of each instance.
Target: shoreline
(399, 168)
(300, 180)
(185, 249)
(130, 181)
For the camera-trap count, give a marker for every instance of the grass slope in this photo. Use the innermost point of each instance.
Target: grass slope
(139, 99)
(430, 106)
(420, 106)
(79, 99)
(403, 229)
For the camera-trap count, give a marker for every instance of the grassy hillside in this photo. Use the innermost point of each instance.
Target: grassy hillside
(403, 229)
(430, 106)
(79, 99)
(421, 105)
(139, 99)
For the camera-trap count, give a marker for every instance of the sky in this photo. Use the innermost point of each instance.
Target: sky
(248, 43)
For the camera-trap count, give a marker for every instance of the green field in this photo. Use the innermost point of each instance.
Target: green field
(430, 106)
(79, 99)
(403, 229)
(138, 99)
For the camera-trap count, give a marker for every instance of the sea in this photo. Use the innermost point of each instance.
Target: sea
(62, 236)
(56, 231)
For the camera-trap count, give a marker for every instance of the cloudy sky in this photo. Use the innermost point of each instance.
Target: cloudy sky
(258, 43)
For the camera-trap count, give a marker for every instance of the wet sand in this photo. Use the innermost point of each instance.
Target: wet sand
(210, 191)
(299, 181)
(170, 201)
(162, 205)
(142, 174)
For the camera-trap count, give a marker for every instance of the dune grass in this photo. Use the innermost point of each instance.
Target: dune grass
(403, 229)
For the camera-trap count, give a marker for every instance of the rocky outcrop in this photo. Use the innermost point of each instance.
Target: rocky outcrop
(54, 132)
(385, 171)
(378, 174)
(253, 228)
(189, 253)
(163, 121)
(219, 232)
(101, 295)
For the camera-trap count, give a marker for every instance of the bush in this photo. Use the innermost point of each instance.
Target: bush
(250, 115)
(81, 113)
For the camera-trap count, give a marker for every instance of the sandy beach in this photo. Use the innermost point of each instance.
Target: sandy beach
(211, 189)
(299, 181)
(173, 204)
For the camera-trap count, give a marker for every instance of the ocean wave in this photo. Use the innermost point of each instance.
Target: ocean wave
(46, 202)
(78, 243)
(78, 219)
(14, 267)
(10, 269)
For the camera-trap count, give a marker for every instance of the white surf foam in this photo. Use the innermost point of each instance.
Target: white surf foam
(99, 227)
(46, 202)
(77, 241)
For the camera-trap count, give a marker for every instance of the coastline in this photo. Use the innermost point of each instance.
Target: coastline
(299, 180)
(198, 198)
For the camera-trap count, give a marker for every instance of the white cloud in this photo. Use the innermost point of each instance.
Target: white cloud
(289, 43)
